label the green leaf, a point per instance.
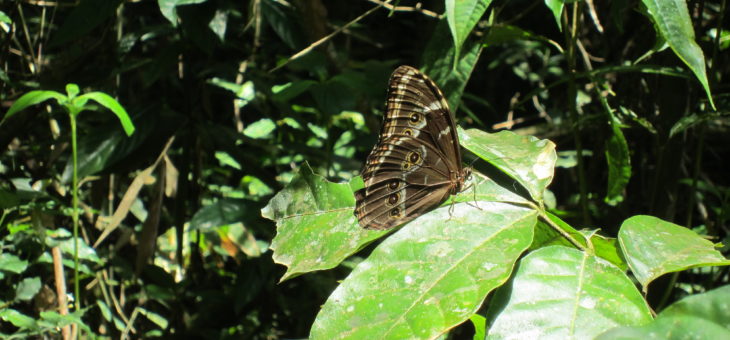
(672, 21)
(315, 225)
(654, 247)
(526, 159)
(503, 34)
(52, 319)
(32, 98)
(288, 91)
(603, 247)
(430, 276)
(619, 164)
(701, 316)
(438, 63)
(167, 7)
(480, 326)
(157, 319)
(113, 105)
(260, 129)
(17, 319)
(4, 18)
(64, 240)
(72, 90)
(244, 92)
(556, 7)
(562, 293)
(218, 24)
(224, 212)
(692, 120)
(27, 288)
(462, 16)
(12, 263)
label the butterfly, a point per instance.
(416, 164)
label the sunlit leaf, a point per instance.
(562, 293)
(654, 247)
(430, 275)
(27, 288)
(12, 263)
(260, 129)
(526, 159)
(701, 316)
(316, 226)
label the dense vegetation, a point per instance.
(204, 154)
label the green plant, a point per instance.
(73, 104)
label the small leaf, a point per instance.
(17, 319)
(430, 276)
(654, 247)
(63, 239)
(260, 129)
(72, 90)
(12, 263)
(556, 6)
(167, 7)
(619, 164)
(223, 212)
(480, 326)
(561, 293)
(701, 316)
(27, 288)
(113, 105)
(528, 160)
(32, 98)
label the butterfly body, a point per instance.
(416, 164)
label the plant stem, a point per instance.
(75, 211)
(571, 32)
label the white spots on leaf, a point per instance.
(488, 266)
(350, 308)
(408, 279)
(588, 303)
(439, 249)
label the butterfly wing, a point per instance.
(416, 164)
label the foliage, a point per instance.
(597, 207)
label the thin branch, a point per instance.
(328, 37)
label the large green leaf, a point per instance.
(701, 316)
(462, 16)
(654, 247)
(315, 225)
(528, 160)
(672, 21)
(429, 276)
(562, 293)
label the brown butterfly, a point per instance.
(416, 164)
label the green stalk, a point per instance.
(74, 210)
